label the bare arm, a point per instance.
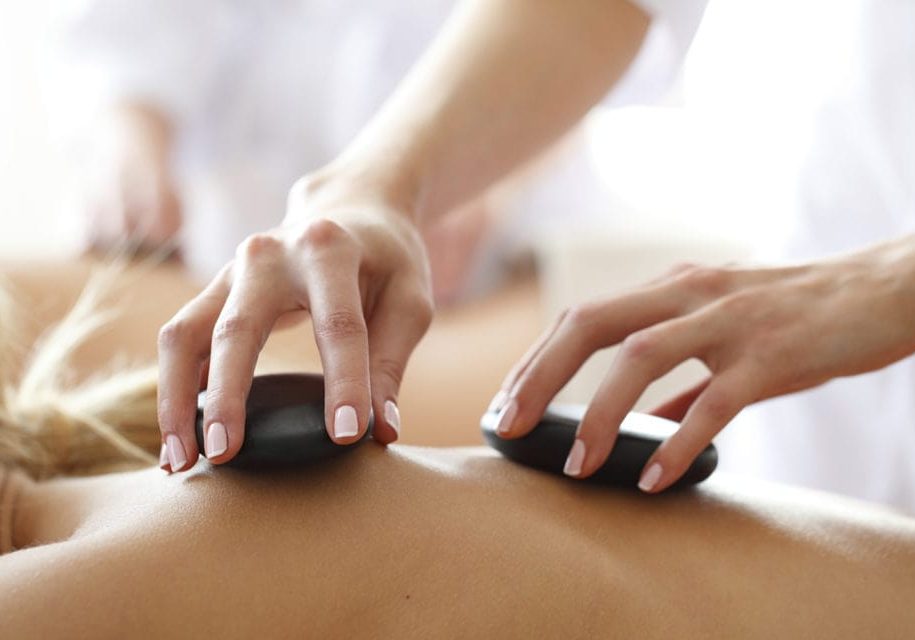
(503, 81)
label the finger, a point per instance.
(239, 334)
(642, 358)
(554, 363)
(184, 343)
(675, 408)
(332, 282)
(722, 400)
(674, 271)
(399, 322)
(582, 331)
(522, 365)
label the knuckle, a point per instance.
(680, 268)
(390, 371)
(580, 315)
(422, 310)
(532, 395)
(225, 404)
(321, 234)
(300, 189)
(582, 323)
(304, 189)
(580, 327)
(738, 305)
(706, 281)
(340, 325)
(177, 333)
(642, 345)
(218, 395)
(347, 385)
(171, 413)
(718, 406)
(259, 246)
(235, 326)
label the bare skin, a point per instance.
(418, 543)
(504, 81)
(460, 351)
(762, 332)
(406, 542)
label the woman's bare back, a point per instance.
(409, 542)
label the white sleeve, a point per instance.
(658, 63)
(164, 52)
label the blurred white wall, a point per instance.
(31, 169)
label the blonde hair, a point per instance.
(50, 427)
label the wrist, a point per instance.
(346, 181)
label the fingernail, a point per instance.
(506, 417)
(216, 441)
(497, 401)
(575, 459)
(163, 458)
(176, 456)
(651, 476)
(392, 415)
(345, 422)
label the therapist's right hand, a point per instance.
(356, 264)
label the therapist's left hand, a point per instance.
(345, 254)
(761, 332)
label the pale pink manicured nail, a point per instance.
(575, 459)
(163, 457)
(651, 476)
(217, 441)
(345, 422)
(497, 401)
(176, 456)
(392, 415)
(506, 417)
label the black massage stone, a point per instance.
(284, 425)
(547, 446)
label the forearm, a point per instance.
(504, 80)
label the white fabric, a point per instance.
(657, 67)
(846, 102)
(266, 91)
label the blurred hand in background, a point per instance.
(129, 192)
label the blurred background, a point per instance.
(32, 172)
(653, 160)
(644, 185)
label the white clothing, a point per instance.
(264, 92)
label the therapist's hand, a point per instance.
(760, 332)
(357, 265)
(129, 194)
